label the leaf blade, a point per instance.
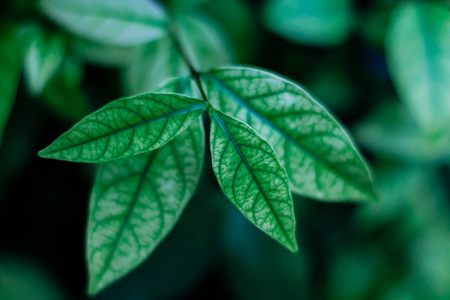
(44, 55)
(416, 52)
(318, 154)
(151, 212)
(126, 127)
(112, 22)
(274, 213)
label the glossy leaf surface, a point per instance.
(126, 127)
(113, 22)
(252, 177)
(312, 22)
(418, 53)
(319, 156)
(136, 202)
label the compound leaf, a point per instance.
(43, 57)
(319, 156)
(126, 127)
(252, 177)
(112, 22)
(10, 66)
(137, 201)
(418, 52)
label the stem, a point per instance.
(175, 37)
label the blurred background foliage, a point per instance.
(382, 66)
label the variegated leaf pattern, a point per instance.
(126, 127)
(137, 201)
(318, 154)
(252, 177)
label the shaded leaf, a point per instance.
(251, 176)
(204, 41)
(312, 22)
(43, 57)
(63, 94)
(100, 54)
(318, 154)
(159, 61)
(10, 66)
(113, 22)
(405, 141)
(153, 64)
(126, 127)
(137, 201)
(23, 279)
(418, 52)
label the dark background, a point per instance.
(395, 249)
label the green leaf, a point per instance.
(137, 201)
(312, 22)
(10, 66)
(252, 177)
(112, 22)
(318, 154)
(405, 141)
(153, 64)
(43, 57)
(204, 41)
(126, 127)
(159, 61)
(418, 51)
(63, 94)
(100, 54)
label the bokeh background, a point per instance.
(368, 61)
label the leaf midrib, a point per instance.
(227, 132)
(175, 113)
(128, 214)
(222, 86)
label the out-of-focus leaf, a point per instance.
(113, 22)
(204, 41)
(63, 94)
(103, 55)
(311, 22)
(391, 132)
(126, 127)
(159, 61)
(418, 53)
(137, 201)
(373, 27)
(153, 64)
(318, 154)
(184, 5)
(43, 57)
(252, 177)
(364, 265)
(10, 66)
(21, 279)
(239, 22)
(402, 193)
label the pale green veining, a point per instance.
(137, 201)
(252, 177)
(126, 127)
(319, 156)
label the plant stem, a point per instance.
(174, 36)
